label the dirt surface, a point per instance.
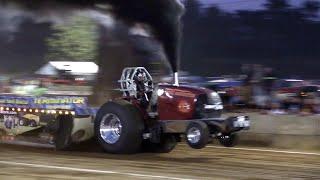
(18, 162)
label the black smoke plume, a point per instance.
(162, 15)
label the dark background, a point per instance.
(281, 34)
(284, 35)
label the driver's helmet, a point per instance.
(141, 75)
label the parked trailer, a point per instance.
(152, 117)
(56, 121)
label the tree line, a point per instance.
(280, 36)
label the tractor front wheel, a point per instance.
(197, 134)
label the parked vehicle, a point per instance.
(310, 98)
(229, 90)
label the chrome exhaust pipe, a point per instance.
(176, 79)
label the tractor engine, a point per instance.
(187, 102)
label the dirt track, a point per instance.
(18, 162)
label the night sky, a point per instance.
(233, 5)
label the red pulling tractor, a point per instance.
(155, 117)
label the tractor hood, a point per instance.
(187, 102)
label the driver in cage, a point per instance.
(142, 86)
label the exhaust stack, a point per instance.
(176, 79)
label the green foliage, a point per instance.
(75, 40)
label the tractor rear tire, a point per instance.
(119, 127)
(62, 137)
